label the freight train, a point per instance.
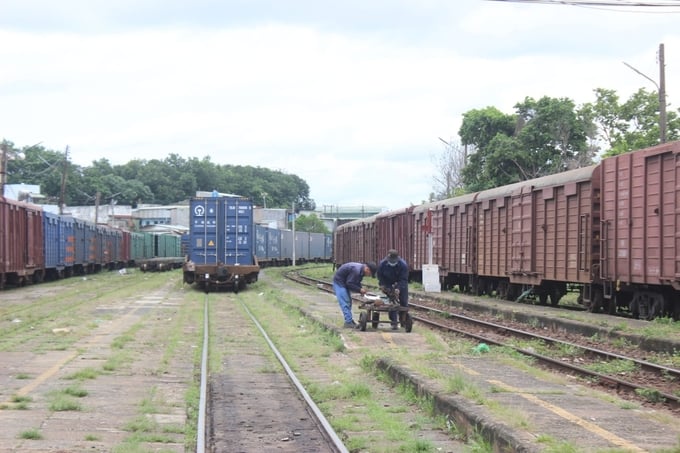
(610, 230)
(226, 249)
(36, 245)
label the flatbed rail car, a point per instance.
(221, 244)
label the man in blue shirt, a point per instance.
(347, 279)
(393, 274)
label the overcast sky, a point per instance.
(351, 95)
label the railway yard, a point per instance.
(112, 362)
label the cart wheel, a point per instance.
(363, 317)
(408, 323)
(375, 318)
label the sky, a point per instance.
(353, 96)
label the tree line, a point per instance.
(546, 136)
(167, 181)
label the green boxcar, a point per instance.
(136, 246)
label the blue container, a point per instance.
(80, 243)
(222, 231)
(328, 240)
(274, 244)
(316, 246)
(261, 242)
(287, 244)
(55, 243)
(301, 245)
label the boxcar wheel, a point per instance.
(375, 318)
(363, 318)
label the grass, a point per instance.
(31, 434)
(84, 374)
(60, 402)
(20, 402)
(353, 387)
(616, 366)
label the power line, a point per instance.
(614, 3)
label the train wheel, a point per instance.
(555, 297)
(363, 319)
(408, 323)
(375, 318)
(596, 301)
(241, 285)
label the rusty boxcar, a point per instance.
(610, 230)
(639, 265)
(394, 230)
(22, 258)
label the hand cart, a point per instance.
(374, 304)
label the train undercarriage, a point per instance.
(220, 277)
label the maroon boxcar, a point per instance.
(445, 234)
(494, 243)
(394, 230)
(355, 241)
(555, 224)
(22, 257)
(640, 246)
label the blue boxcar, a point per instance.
(58, 245)
(268, 247)
(317, 247)
(301, 246)
(221, 243)
(328, 246)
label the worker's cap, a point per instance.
(392, 256)
(371, 265)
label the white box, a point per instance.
(431, 278)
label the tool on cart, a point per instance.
(374, 304)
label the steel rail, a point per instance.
(671, 401)
(331, 435)
(200, 434)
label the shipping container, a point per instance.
(221, 243)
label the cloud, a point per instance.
(350, 96)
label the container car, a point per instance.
(221, 244)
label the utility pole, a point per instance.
(294, 242)
(62, 192)
(661, 88)
(3, 168)
(97, 198)
(662, 94)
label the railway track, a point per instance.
(258, 411)
(135, 359)
(617, 369)
(642, 379)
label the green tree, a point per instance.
(310, 223)
(166, 181)
(543, 137)
(633, 124)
